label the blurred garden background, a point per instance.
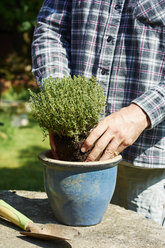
(20, 136)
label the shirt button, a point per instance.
(118, 7)
(109, 38)
(104, 71)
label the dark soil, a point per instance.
(69, 150)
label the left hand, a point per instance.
(116, 132)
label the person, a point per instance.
(122, 44)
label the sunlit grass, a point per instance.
(19, 148)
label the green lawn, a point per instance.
(19, 148)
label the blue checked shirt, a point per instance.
(122, 43)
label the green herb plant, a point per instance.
(68, 106)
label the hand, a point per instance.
(116, 132)
(52, 145)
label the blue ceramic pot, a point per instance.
(79, 192)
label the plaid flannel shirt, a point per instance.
(122, 43)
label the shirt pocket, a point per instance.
(150, 12)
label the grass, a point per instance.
(20, 168)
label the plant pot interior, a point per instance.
(70, 150)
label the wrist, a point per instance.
(142, 115)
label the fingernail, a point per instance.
(83, 149)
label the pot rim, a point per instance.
(43, 156)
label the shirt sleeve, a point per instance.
(153, 104)
(51, 40)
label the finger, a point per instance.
(52, 145)
(120, 149)
(116, 153)
(99, 147)
(112, 150)
(93, 136)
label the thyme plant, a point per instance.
(68, 106)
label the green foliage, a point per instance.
(7, 131)
(68, 106)
(19, 15)
(13, 95)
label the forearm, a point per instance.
(51, 41)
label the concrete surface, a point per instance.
(120, 228)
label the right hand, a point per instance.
(115, 133)
(52, 145)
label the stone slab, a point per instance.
(120, 228)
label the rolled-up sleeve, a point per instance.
(153, 103)
(51, 40)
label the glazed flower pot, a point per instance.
(79, 192)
